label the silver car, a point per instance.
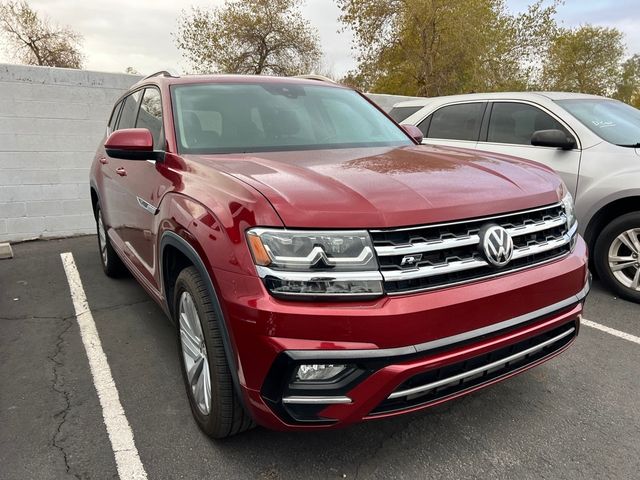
(592, 142)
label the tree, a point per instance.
(439, 47)
(585, 59)
(35, 40)
(628, 88)
(249, 37)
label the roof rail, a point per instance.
(163, 73)
(320, 78)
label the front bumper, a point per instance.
(407, 352)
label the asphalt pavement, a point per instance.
(574, 417)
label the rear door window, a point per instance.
(457, 122)
(513, 122)
(150, 116)
(130, 111)
(402, 113)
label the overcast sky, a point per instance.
(137, 33)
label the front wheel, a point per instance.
(617, 256)
(111, 263)
(207, 377)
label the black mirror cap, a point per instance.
(553, 138)
(156, 155)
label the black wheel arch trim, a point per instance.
(176, 241)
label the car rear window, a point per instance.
(240, 117)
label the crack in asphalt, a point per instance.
(56, 386)
(70, 317)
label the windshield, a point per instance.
(240, 117)
(611, 120)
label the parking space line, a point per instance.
(611, 331)
(120, 434)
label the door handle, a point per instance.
(121, 171)
(103, 161)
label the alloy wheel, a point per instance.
(194, 352)
(624, 258)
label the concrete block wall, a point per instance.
(51, 120)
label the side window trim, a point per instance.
(162, 135)
(114, 118)
(124, 99)
(427, 124)
(430, 117)
(484, 126)
(543, 110)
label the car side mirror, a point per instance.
(131, 144)
(552, 138)
(413, 131)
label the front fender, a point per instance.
(590, 203)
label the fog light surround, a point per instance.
(322, 372)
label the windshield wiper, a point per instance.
(631, 145)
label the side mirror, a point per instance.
(413, 131)
(552, 138)
(131, 144)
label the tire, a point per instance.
(109, 259)
(203, 360)
(620, 239)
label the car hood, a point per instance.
(389, 187)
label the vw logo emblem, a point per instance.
(496, 244)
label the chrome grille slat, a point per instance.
(461, 265)
(448, 254)
(424, 247)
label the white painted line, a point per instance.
(120, 434)
(611, 331)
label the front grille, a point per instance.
(434, 385)
(449, 253)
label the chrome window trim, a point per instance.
(481, 369)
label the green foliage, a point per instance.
(35, 40)
(249, 37)
(628, 88)
(439, 47)
(443, 47)
(585, 59)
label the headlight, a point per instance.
(316, 263)
(572, 222)
(569, 210)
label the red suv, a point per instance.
(322, 267)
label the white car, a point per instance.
(592, 142)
